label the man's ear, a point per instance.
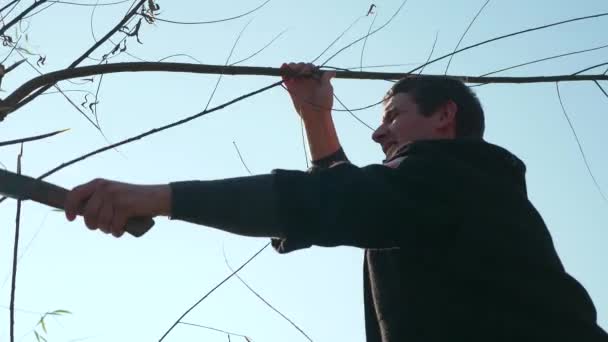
(446, 117)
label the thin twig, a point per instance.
(465, 33)
(430, 53)
(219, 79)
(37, 137)
(353, 114)
(260, 50)
(21, 15)
(89, 51)
(545, 59)
(602, 89)
(211, 291)
(511, 35)
(365, 41)
(209, 21)
(304, 142)
(153, 131)
(578, 142)
(262, 298)
(214, 329)
(15, 255)
(241, 157)
(369, 34)
(337, 38)
(7, 5)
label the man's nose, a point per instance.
(379, 134)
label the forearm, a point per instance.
(322, 137)
(245, 206)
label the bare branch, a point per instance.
(545, 59)
(602, 89)
(353, 114)
(430, 53)
(465, 33)
(8, 5)
(208, 21)
(511, 35)
(42, 81)
(21, 15)
(116, 28)
(365, 40)
(262, 298)
(578, 142)
(241, 157)
(37, 137)
(369, 34)
(214, 329)
(212, 290)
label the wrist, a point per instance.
(162, 199)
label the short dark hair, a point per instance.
(431, 92)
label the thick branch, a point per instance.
(21, 93)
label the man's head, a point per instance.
(426, 109)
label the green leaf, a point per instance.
(42, 324)
(60, 312)
(37, 336)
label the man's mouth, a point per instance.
(388, 149)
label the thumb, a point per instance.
(327, 76)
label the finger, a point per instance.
(119, 221)
(76, 198)
(91, 210)
(104, 221)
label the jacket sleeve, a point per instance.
(368, 207)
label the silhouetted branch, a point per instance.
(37, 137)
(42, 81)
(465, 33)
(21, 15)
(207, 21)
(211, 291)
(578, 142)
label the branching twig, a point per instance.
(208, 21)
(211, 291)
(37, 137)
(369, 34)
(511, 35)
(465, 33)
(21, 15)
(602, 89)
(430, 53)
(353, 114)
(89, 51)
(262, 298)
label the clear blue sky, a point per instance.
(133, 289)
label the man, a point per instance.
(454, 251)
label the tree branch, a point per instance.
(21, 15)
(17, 97)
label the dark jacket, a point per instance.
(454, 249)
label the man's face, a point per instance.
(402, 122)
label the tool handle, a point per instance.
(138, 226)
(54, 196)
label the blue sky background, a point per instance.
(133, 289)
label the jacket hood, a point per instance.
(490, 158)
